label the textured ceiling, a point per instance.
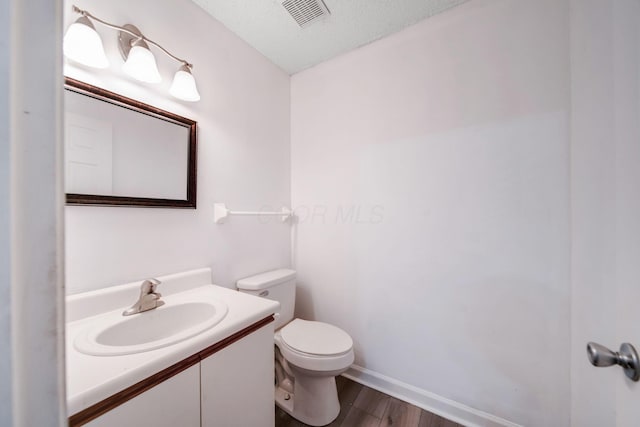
(267, 26)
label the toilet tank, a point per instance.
(277, 285)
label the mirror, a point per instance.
(121, 152)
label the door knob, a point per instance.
(626, 357)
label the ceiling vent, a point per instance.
(305, 12)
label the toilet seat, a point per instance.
(316, 338)
(328, 347)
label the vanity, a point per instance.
(203, 358)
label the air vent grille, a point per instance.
(305, 12)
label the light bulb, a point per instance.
(141, 64)
(83, 44)
(184, 85)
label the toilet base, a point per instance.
(315, 401)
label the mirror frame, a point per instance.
(131, 104)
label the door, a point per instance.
(605, 197)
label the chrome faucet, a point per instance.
(148, 300)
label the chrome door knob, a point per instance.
(626, 357)
(601, 356)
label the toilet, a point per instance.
(308, 354)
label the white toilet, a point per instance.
(308, 354)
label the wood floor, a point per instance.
(361, 406)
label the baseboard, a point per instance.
(426, 400)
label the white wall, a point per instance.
(243, 156)
(452, 140)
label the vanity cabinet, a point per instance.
(237, 383)
(174, 402)
(228, 384)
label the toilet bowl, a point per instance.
(308, 354)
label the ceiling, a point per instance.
(266, 25)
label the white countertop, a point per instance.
(91, 379)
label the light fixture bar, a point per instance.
(135, 35)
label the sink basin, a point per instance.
(114, 334)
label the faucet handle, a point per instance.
(148, 299)
(149, 285)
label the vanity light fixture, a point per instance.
(139, 61)
(184, 85)
(83, 44)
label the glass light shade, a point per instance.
(141, 64)
(83, 44)
(184, 85)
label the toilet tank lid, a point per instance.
(265, 280)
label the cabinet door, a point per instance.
(237, 383)
(174, 402)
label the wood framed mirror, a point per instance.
(122, 152)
